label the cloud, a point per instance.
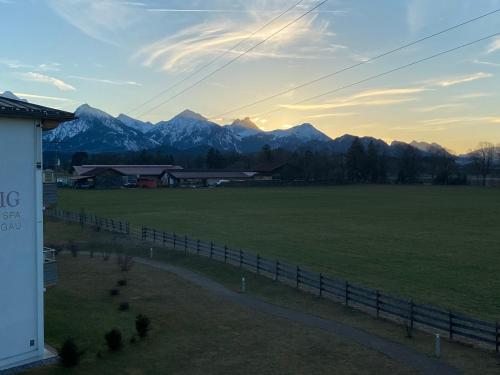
(439, 107)
(103, 20)
(195, 44)
(388, 96)
(463, 79)
(332, 105)
(494, 46)
(16, 64)
(487, 63)
(472, 95)
(42, 78)
(34, 96)
(333, 114)
(461, 119)
(107, 81)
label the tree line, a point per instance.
(361, 163)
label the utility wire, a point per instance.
(218, 57)
(235, 58)
(384, 73)
(358, 64)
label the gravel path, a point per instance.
(391, 349)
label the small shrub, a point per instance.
(114, 340)
(114, 292)
(142, 325)
(122, 282)
(125, 262)
(124, 306)
(69, 353)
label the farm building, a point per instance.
(275, 171)
(21, 230)
(196, 178)
(115, 176)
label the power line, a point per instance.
(235, 58)
(357, 64)
(384, 73)
(218, 57)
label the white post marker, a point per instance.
(243, 284)
(437, 345)
(151, 253)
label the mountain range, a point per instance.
(96, 131)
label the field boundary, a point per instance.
(456, 326)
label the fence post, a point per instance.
(143, 233)
(297, 277)
(185, 244)
(378, 303)
(241, 258)
(127, 227)
(225, 253)
(450, 318)
(320, 284)
(113, 225)
(154, 235)
(211, 249)
(497, 337)
(175, 240)
(258, 263)
(276, 270)
(347, 293)
(198, 247)
(163, 238)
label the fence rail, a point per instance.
(458, 327)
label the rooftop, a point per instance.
(127, 170)
(21, 109)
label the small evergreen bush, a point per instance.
(142, 325)
(69, 354)
(114, 340)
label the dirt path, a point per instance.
(391, 349)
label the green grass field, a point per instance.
(438, 245)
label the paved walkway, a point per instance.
(391, 349)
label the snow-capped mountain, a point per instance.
(132, 123)
(96, 131)
(11, 95)
(244, 128)
(191, 130)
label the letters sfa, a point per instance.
(9, 199)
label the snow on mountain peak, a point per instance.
(11, 95)
(188, 114)
(306, 132)
(246, 123)
(135, 124)
(86, 110)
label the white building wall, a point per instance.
(21, 243)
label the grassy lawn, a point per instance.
(438, 245)
(193, 332)
(468, 360)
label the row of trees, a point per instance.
(359, 164)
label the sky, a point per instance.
(118, 55)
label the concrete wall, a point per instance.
(21, 256)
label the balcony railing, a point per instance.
(50, 273)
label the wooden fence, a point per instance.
(456, 326)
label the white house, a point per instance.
(21, 229)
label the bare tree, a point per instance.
(483, 158)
